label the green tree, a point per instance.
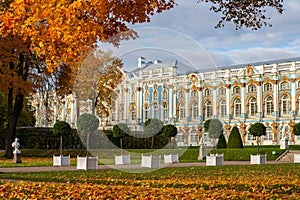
(153, 127)
(257, 129)
(87, 124)
(235, 139)
(169, 131)
(296, 129)
(221, 142)
(120, 131)
(214, 128)
(61, 128)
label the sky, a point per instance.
(186, 33)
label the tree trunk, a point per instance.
(14, 110)
(60, 146)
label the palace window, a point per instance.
(251, 88)
(207, 92)
(165, 111)
(298, 85)
(268, 87)
(252, 106)
(180, 136)
(284, 86)
(285, 104)
(195, 110)
(147, 96)
(268, 105)
(133, 113)
(181, 111)
(165, 95)
(122, 98)
(269, 134)
(194, 136)
(251, 137)
(222, 91)
(236, 90)
(155, 112)
(208, 109)
(155, 96)
(194, 94)
(222, 107)
(237, 108)
(181, 95)
(133, 97)
(146, 112)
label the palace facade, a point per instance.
(239, 95)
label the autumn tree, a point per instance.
(46, 38)
(249, 14)
(96, 80)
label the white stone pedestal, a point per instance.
(284, 143)
(171, 158)
(122, 160)
(151, 161)
(214, 160)
(17, 158)
(61, 160)
(87, 163)
(258, 159)
(296, 158)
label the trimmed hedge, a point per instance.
(235, 140)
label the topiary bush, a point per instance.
(221, 142)
(235, 140)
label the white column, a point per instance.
(170, 103)
(243, 98)
(214, 99)
(228, 108)
(293, 93)
(126, 102)
(259, 98)
(187, 102)
(200, 103)
(174, 102)
(275, 95)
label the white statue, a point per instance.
(16, 145)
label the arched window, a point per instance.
(155, 111)
(133, 97)
(252, 106)
(269, 134)
(298, 85)
(195, 110)
(165, 95)
(181, 111)
(251, 88)
(285, 104)
(147, 96)
(146, 112)
(207, 92)
(165, 111)
(268, 106)
(180, 136)
(268, 87)
(133, 113)
(194, 136)
(222, 91)
(208, 109)
(155, 96)
(237, 108)
(222, 108)
(236, 90)
(181, 95)
(194, 94)
(284, 86)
